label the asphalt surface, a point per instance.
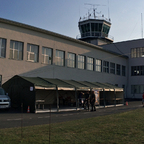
(13, 119)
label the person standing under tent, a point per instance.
(92, 100)
(87, 97)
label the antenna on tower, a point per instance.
(94, 9)
(108, 11)
(141, 25)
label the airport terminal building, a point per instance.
(34, 52)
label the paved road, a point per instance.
(8, 119)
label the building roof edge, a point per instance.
(11, 22)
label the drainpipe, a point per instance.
(57, 99)
(76, 98)
(123, 98)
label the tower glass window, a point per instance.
(16, 50)
(106, 66)
(46, 55)
(96, 27)
(2, 47)
(90, 63)
(32, 52)
(81, 62)
(60, 58)
(71, 60)
(98, 65)
(106, 29)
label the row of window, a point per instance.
(113, 68)
(137, 52)
(83, 62)
(137, 70)
(137, 89)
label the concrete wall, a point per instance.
(125, 48)
(10, 67)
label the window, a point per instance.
(2, 47)
(112, 68)
(16, 50)
(98, 65)
(32, 52)
(118, 69)
(90, 65)
(81, 62)
(71, 60)
(46, 55)
(85, 28)
(137, 89)
(141, 52)
(106, 66)
(137, 52)
(123, 71)
(106, 29)
(137, 70)
(60, 58)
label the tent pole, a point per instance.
(115, 96)
(57, 99)
(123, 96)
(104, 97)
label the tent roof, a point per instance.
(92, 85)
(49, 83)
(78, 85)
(61, 84)
(40, 83)
(113, 86)
(102, 85)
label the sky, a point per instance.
(62, 16)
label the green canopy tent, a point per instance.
(31, 91)
(22, 91)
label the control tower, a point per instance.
(95, 29)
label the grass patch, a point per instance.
(123, 128)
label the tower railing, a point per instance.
(96, 18)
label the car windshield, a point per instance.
(2, 92)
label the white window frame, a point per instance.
(81, 62)
(18, 50)
(45, 55)
(60, 58)
(71, 60)
(98, 65)
(90, 63)
(29, 53)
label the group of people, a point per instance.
(89, 100)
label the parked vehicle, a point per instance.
(5, 102)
